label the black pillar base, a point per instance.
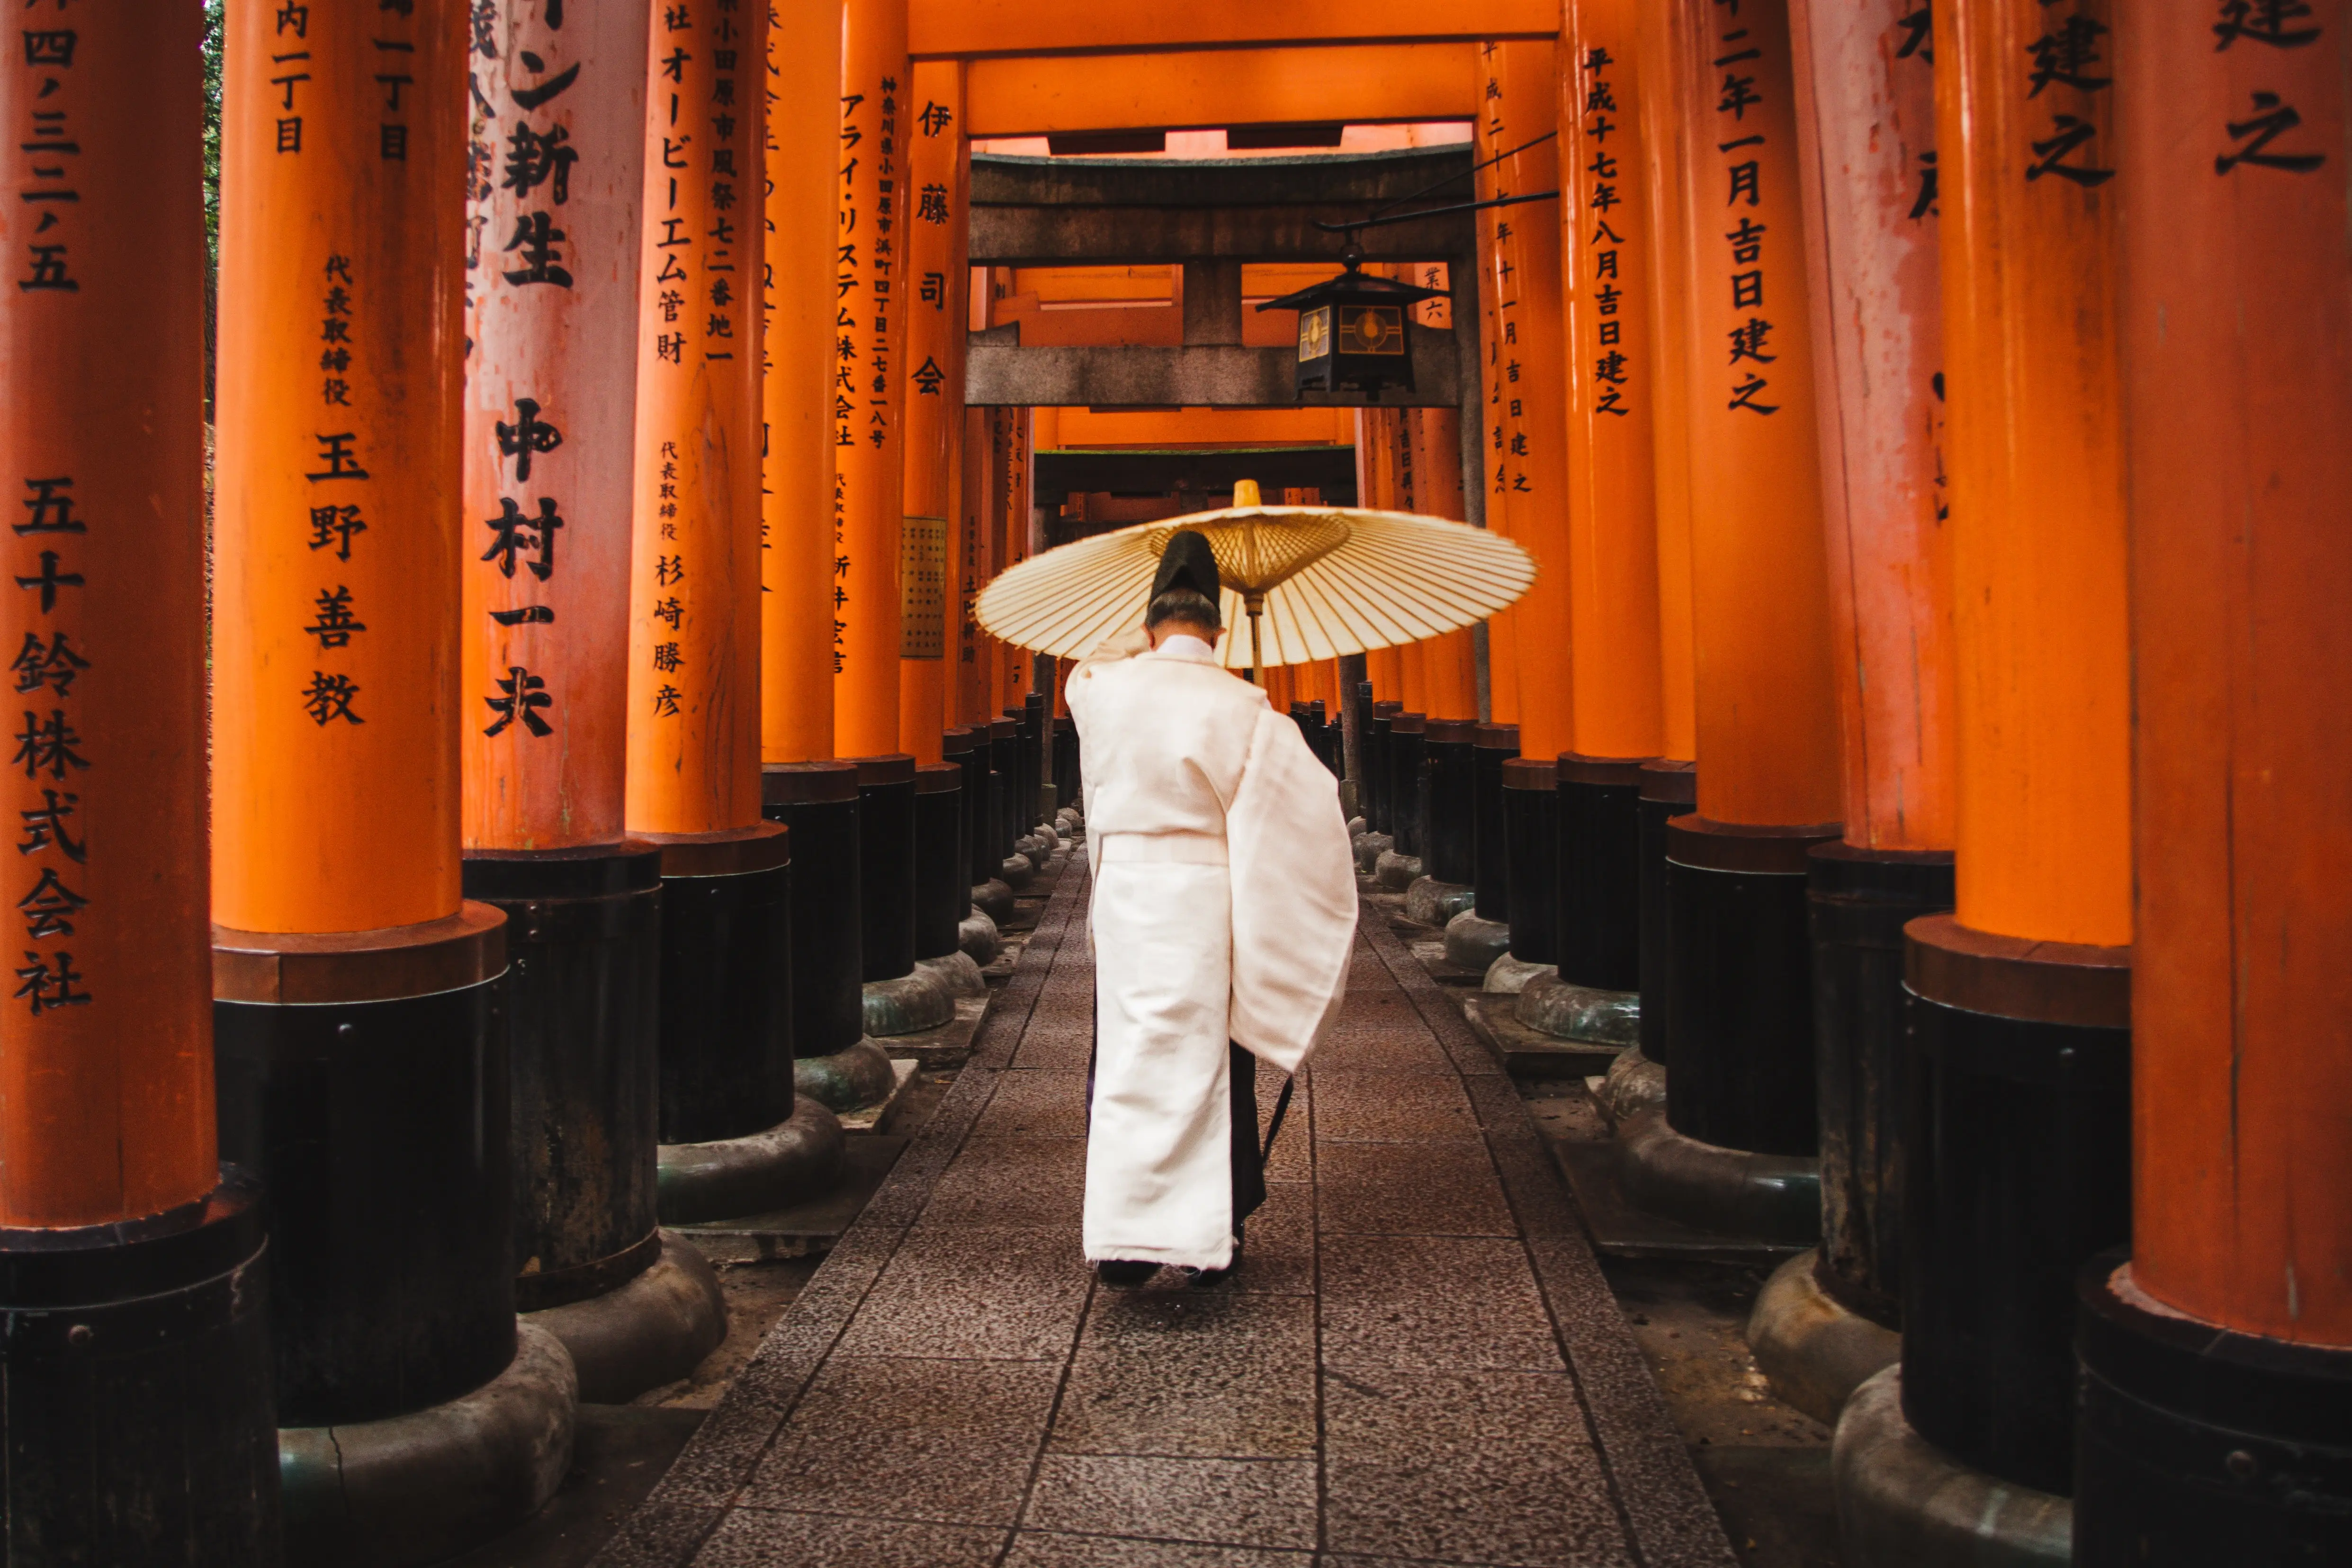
(1532, 837)
(1739, 1071)
(726, 983)
(1492, 744)
(2017, 1155)
(380, 1128)
(1065, 760)
(1003, 796)
(942, 890)
(817, 802)
(2199, 1445)
(1669, 789)
(1599, 872)
(1380, 808)
(1408, 800)
(966, 745)
(1860, 900)
(139, 1426)
(885, 864)
(1450, 850)
(583, 939)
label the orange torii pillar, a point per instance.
(1383, 667)
(548, 488)
(874, 288)
(1476, 940)
(361, 1054)
(733, 1140)
(138, 1354)
(1530, 472)
(1401, 869)
(967, 687)
(800, 642)
(937, 234)
(1735, 1151)
(2016, 1167)
(2215, 1359)
(1866, 117)
(879, 216)
(1449, 847)
(815, 798)
(967, 739)
(1502, 638)
(1669, 784)
(1619, 721)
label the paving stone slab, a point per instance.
(1417, 1360)
(1232, 1502)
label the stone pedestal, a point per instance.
(1905, 1503)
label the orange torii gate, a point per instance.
(551, 481)
(138, 1354)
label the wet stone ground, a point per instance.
(1420, 1359)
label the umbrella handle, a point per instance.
(1253, 603)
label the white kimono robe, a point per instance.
(1224, 909)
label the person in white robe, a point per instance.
(1223, 917)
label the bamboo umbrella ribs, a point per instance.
(1315, 583)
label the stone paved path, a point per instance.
(1418, 1360)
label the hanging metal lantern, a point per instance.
(1355, 332)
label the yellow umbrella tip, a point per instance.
(1245, 493)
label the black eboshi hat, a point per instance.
(1187, 562)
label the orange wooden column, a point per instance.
(106, 1053)
(1502, 639)
(695, 612)
(1613, 393)
(799, 644)
(876, 289)
(1662, 120)
(559, 113)
(1613, 674)
(1867, 87)
(2035, 958)
(549, 480)
(2237, 347)
(1449, 668)
(335, 642)
(342, 941)
(1011, 529)
(1767, 710)
(1376, 491)
(968, 683)
(2038, 550)
(153, 1391)
(1866, 107)
(936, 225)
(1519, 105)
(1740, 1055)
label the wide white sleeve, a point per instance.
(1294, 892)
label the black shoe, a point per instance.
(1210, 1279)
(1123, 1274)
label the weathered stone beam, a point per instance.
(1065, 236)
(1210, 471)
(1364, 178)
(1197, 377)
